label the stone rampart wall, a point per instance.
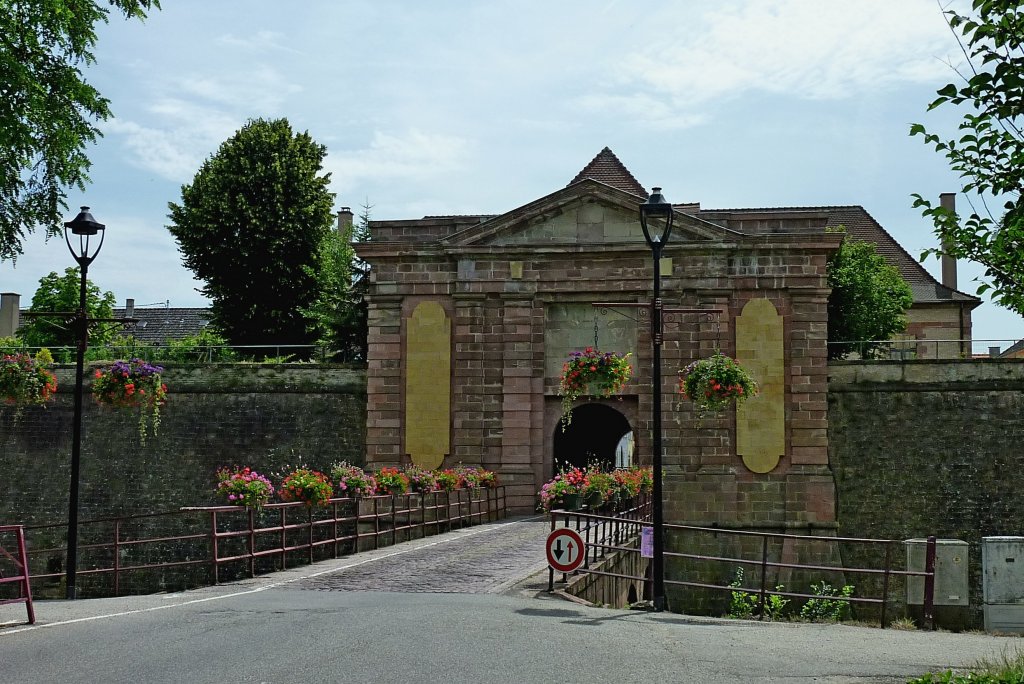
(265, 416)
(928, 447)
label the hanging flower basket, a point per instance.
(130, 384)
(591, 372)
(712, 384)
(25, 380)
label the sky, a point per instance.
(455, 107)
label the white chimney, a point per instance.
(129, 308)
(948, 201)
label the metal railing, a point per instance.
(603, 534)
(276, 537)
(19, 575)
(910, 348)
(886, 572)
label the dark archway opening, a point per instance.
(591, 437)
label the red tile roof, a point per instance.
(606, 168)
(861, 225)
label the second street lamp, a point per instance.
(85, 228)
(656, 221)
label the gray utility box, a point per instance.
(1002, 567)
(950, 601)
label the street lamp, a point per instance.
(656, 213)
(85, 227)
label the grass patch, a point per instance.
(1007, 669)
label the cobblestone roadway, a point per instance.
(478, 560)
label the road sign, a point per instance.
(565, 549)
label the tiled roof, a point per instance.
(1013, 350)
(606, 168)
(862, 226)
(157, 325)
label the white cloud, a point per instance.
(159, 150)
(414, 155)
(258, 41)
(642, 107)
(257, 88)
(190, 116)
(798, 48)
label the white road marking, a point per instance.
(454, 536)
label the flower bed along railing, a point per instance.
(198, 546)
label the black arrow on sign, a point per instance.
(558, 549)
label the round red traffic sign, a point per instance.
(565, 549)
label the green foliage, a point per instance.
(47, 110)
(206, 345)
(868, 302)
(61, 293)
(12, 345)
(743, 604)
(338, 314)
(1006, 669)
(828, 609)
(988, 152)
(252, 226)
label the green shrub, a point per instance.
(828, 609)
(743, 604)
(206, 345)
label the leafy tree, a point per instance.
(989, 153)
(339, 314)
(868, 302)
(47, 110)
(251, 226)
(61, 293)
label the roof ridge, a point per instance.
(803, 208)
(606, 168)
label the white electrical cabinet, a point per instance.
(1002, 566)
(951, 609)
(950, 572)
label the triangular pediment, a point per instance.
(586, 212)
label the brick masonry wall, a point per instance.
(928, 447)
(266, 417)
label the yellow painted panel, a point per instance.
(428, 364)
(761, 421)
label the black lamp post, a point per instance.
(85, 227)
(655, 215)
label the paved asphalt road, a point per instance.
(405, 614)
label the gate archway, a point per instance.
(592, 436)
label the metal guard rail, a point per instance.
(603, 532)
(598, 541)
(20, 576)
(343, 525)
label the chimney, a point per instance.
(9, 313)
(129, 308)
(345, 221)
(948, 202)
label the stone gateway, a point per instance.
(471, 318)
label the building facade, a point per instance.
(472, 317)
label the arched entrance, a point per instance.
(593, 436)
